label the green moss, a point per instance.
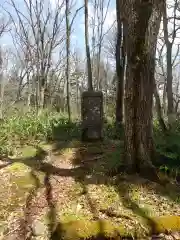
(135, 194)
(28, 151)
(108, 196)
(25, 182)
(72, 217)
(28, 181)
(67, 152)
(76, 190)
(18, 167)
(46, 146)
(75, 230)
(21, 181)
(166, 223)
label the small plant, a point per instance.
(164, 168)
(113, 159)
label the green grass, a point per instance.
(19, 129)
(27, 128)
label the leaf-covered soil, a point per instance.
(66, 191)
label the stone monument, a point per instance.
(92, 115)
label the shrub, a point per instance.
(168, 150)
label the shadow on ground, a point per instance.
(85, 172)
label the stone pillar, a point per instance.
(92, 115)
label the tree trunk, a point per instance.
(43, 82)
(29, 93)
(142, 31)
(42, 96)
(164, 100)
(159, 110)
(120, 67)
(88, 56)
(170, 108)
(67, 60)
(2, 83)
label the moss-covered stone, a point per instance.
(26, 151)
(76, 230)
(88, 229)
(166, 223)
(17, 168)
(19, 181)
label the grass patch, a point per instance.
(23, 128)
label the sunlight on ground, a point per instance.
(88, 199)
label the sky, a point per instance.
(77, 36)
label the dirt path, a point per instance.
(72, 186)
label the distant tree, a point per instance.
(88, 56)
(120, 64)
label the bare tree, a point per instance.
(41, 31)
(120, 65)
(67, 58)
(110, 43)
(68, 34)
(99, 31)
(158, 108)
(4, 24)
(90, 84)
(169, 62)
(4, 61)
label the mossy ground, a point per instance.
(72, 189)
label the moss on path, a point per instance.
(64, 191)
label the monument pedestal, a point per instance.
(92, 115)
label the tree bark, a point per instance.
(164, 99)
(159, 110)
(142, 31)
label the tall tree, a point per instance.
(40, 31)
(120, 66)
(143, 21)
(67, 59)
(159, 109)
(169, 63)
(88, 56)
(68, 36)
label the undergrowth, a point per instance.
(168, 149)
(29, 127)
(19, 128)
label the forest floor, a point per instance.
(65, 191)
